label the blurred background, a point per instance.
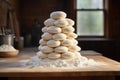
(97, 22)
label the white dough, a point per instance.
(68, 55)
(70, 21)
(61, 23)
(49, 22)
(54, 56)
(59, 36)
(72, 35)
(58, 15)
(75, 42)
(53, 43)
(68, 30)
(46, 49)
(39, 48)
(42, 42)
(77, 54)
(54, 29)
(61, 49)
(44, 29)
(46, 36)
(67, 42)
(74, 48)
(41, 55)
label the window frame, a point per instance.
(105, 34)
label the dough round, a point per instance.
(44, 29)
(70, 21)
(67, 42)
(39, 48)
(46, 36)
(61, 23)
(74, 48)
(77, 54)
(53, 43)
(59, 36)
(42, 42)
(49, 22)
(72, 35)
(61, 49)
(41, 55)
(67, 55)
(58, 15)
(54, 29)
(54, 56)
(46, 49)
(75, 42)
(68, 30)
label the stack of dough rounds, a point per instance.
(58, 38)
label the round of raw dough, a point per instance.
(67, 42)
(49, 22)
(70, 21)
(44, 29)
(54, 56)
(75, 42)
(61, 49)
(58, 15)
(46, 49)
(77, 54)
(39, 48)
(54, 29)
(61, 23)
(72, 35)
(67, 55)
(53, 43)
(42, 42)
(68, 30)
(74, 48)
(41, 55)
(59, 36)
(46, 36)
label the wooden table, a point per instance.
(12, 72)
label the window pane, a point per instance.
(89, 4)
(90, 23)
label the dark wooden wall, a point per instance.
(31, 9)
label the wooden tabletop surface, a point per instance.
(9, 67)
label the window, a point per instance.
(90, 18)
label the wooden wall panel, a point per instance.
(31, 9)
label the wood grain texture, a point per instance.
(8, 68)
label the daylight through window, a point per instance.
(90, 18)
